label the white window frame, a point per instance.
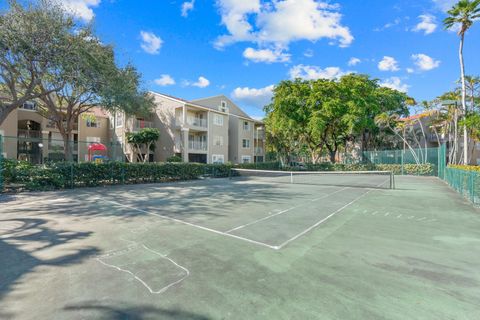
(120, 115)
(88, 123)
(223, 106)
(247, 144)
(218, 120)
(94, 140)
(218, 139)
(218, 158)
(246, 159)
(246, 126)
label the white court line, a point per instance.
(187, 272)
(282, 212)
(321, 221)
(192, 225)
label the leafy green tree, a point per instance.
(32, 40)
(88, 77)
(143, 142)
(463, 14)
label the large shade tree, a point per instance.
(325, 116)
(462, 16)
(32, 41)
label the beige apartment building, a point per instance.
(29, 136)
(212, 130)
(246, 136)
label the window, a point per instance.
(218, 158)
(246, 159)
(92, 123)
(119, 120)
(246, 143)
(223, 106)
(93, 139)
(246, 126)
(218, 119)
(29, 106)
(218, 141)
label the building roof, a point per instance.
(418, 116)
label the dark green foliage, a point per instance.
(65, 175)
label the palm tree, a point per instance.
(463, 14)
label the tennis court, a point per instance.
(262, 245)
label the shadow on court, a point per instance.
(139, 312)
(22, 241)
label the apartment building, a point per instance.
(31, 137)
(246, 136)
(211, 130)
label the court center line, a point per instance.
(192, 225)
(282, 212)
(322, 221)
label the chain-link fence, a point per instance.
(465, 182)
(406, 157)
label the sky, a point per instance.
(242, 48)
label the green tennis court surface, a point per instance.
(242, 249)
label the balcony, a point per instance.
(138, 125)
(193, 123)
(197, 146)
(51, 125)
(29, 134)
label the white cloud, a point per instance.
(395, 83)
(388, 64)
(186, 7)
(202, 82)
(427, 24)
(389, 25)
(151, 43)
(266, 55)
(253, 97)
(410, 70)
(165, 80)
(353, 61)
(80, 8)
(314, 72)
(424, 62)
(309, 53)
(281, 22)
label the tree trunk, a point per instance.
(464, 100)
(68, 147)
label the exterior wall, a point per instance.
(86, 133)
(8, 129)
(164, 120)
(217, 131)
(245, 135)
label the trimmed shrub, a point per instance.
(465, 167)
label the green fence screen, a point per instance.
(407, 156)
(466, 182)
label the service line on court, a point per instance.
(283, 211)
(191, 224)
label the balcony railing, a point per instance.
(197, 145)
(197, 122)
(30, 134)
(52, 125)
(138, 125)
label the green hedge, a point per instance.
(427, 169)
(465, 167)
(64, 175)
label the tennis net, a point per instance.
(354, 179)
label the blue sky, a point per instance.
(241, 48)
